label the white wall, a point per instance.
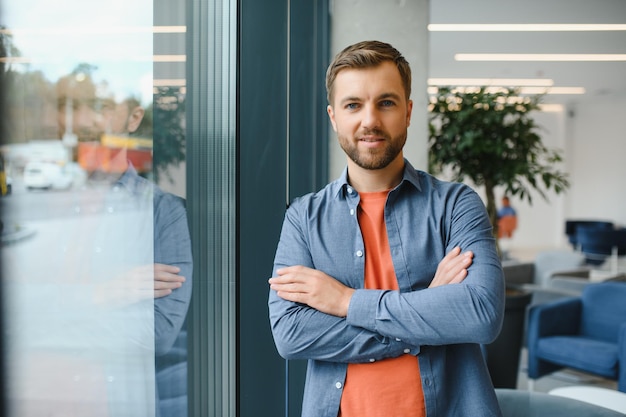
(403, 24)
(597, 160)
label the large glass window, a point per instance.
(96, 249)
(121, 122)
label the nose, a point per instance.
(84, 117)
(371, 117)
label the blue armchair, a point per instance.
(586, 333)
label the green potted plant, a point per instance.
(488, 136)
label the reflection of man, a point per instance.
(168, 280)
(172, 292)
(172, 269)
(120, 118)
(76, 108)
(356, 287)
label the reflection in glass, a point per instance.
(96, 258)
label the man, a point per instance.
(507, 219)
(170, 277)
(357, 288)
(168, 280)
(506, 209)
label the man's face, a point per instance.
(370, 114)
(114, 118)
(83, 120)
(89, 124)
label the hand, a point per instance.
(166, 279)
(313, 288)
(453, 268)
(140, 283)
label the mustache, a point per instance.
(374, 132)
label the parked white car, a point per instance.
(47, 175)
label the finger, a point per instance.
(164, 285)
(173, 269)
(459, 262)
(295, 297)
(161, 293)
(285, 270)
(169, 277)
(288, 288)
(463, 260)
(459, 277)
(453, 253)
(452, 268)
(286, 279)
(450, 257)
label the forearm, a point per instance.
(172, 246)
(170, 313)
(456, 313)
(301, 332)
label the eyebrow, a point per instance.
(380, 97)
(389, 95)
(349, 99)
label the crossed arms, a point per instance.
(322, 292)
(319, 313)
(311, 315)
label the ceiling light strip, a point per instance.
(505, 82)
(542, 57)
(169, 58)
(173, 82)
(109, 30)
(523, 90)
(525, 27)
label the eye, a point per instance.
(387, 103)
(352, 106)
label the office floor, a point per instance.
(558, 379)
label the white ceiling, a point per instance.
(600, 79)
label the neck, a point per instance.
(373, 180)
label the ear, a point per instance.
(409, 110)
(331, 116)
(135, 118)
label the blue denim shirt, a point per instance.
(172, 246)
(444, 326)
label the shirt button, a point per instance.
(351, 212)
(349, 190)
(407, 350)
(372, 360)
(398, 339)
(338, 385)
(359, 253)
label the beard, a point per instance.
(373, 158)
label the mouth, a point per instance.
(371, 141)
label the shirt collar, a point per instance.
(131, 181)
(410, 176)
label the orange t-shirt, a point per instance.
(389, 387)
